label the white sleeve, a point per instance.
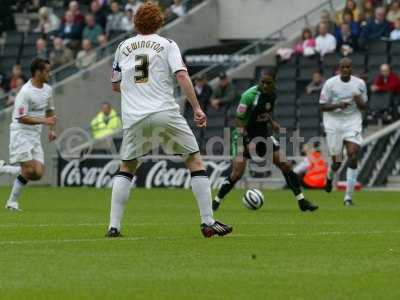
(50, 102)
(175, 61)
(364, 92)
(21, 105)
(116, 69)
(325, 94)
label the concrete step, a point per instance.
(394, 179)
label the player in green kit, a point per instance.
(254, 135)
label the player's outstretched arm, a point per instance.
(28, 120)
(52, 128)
(116, 87)
(331, 107)
(187, 88)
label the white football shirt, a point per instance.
(34, 102)
(145, 65)
(335, 90)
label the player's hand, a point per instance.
(358, 99)
(215, 104)
(200, 118)
(52, 135)
(275, 126)
(50, 121)
(343, 105)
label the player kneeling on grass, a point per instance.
(143, 73)
(33, 108)
(254, 123)
(343, 98)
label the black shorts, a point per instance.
(251, 146)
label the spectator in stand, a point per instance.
(114, 20)
(92, 30)
(306, 46)
(70, 32)
(350, 7)
(133, 5)
(224, 94)
(127, 21)
(99, 13)
(203, 91)
(41, 49)
(386, 81)
(367, 11)
(177, 8)
(394, 12)
(87, 56)
(316, 84)
(14, 91)
(48, 21)
(395, 34)
(376, 28)
(60, 55)
(78, 17)
(104, 50)
(106, 122)
(346, 42)
(354, 26)
(326, 19)
(325, 42)
(16, 73)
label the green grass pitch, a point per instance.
(55, 248)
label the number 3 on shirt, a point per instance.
(142, 69)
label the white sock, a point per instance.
(19, 183)
(13, 170)
(351, 180)
(202, 192)
(120, 194)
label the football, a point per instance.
(253, 199)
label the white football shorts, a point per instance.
(167, 129)
(338, 131)
(25, 145)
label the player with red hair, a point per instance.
(143, 72)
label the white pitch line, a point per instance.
(170, 238)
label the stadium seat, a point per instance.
(358, 59)
(378, 46)
(331, 60)
(309, 111)
(308, 133)
(311, 62)
(285, 111)
(287, 72)
(306, 73)
(287, 122)
(377, 59)
(285, 99)
(379, 101)
(312, 99)
(309, 122)
(395, 48)
(286, 85)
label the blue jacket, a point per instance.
(374, 30)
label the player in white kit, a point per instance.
(143, 72)
(342, 100)
(33, 108)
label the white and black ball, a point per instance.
(253, 199)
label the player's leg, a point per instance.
(31, 170)
(335, 146)
(202, 192)
(134, 145)
(8, 169)
(238, 168)
(180, 140)
(352, 172)
(293, 182)
(122, 184)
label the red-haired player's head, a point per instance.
(148, 19)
